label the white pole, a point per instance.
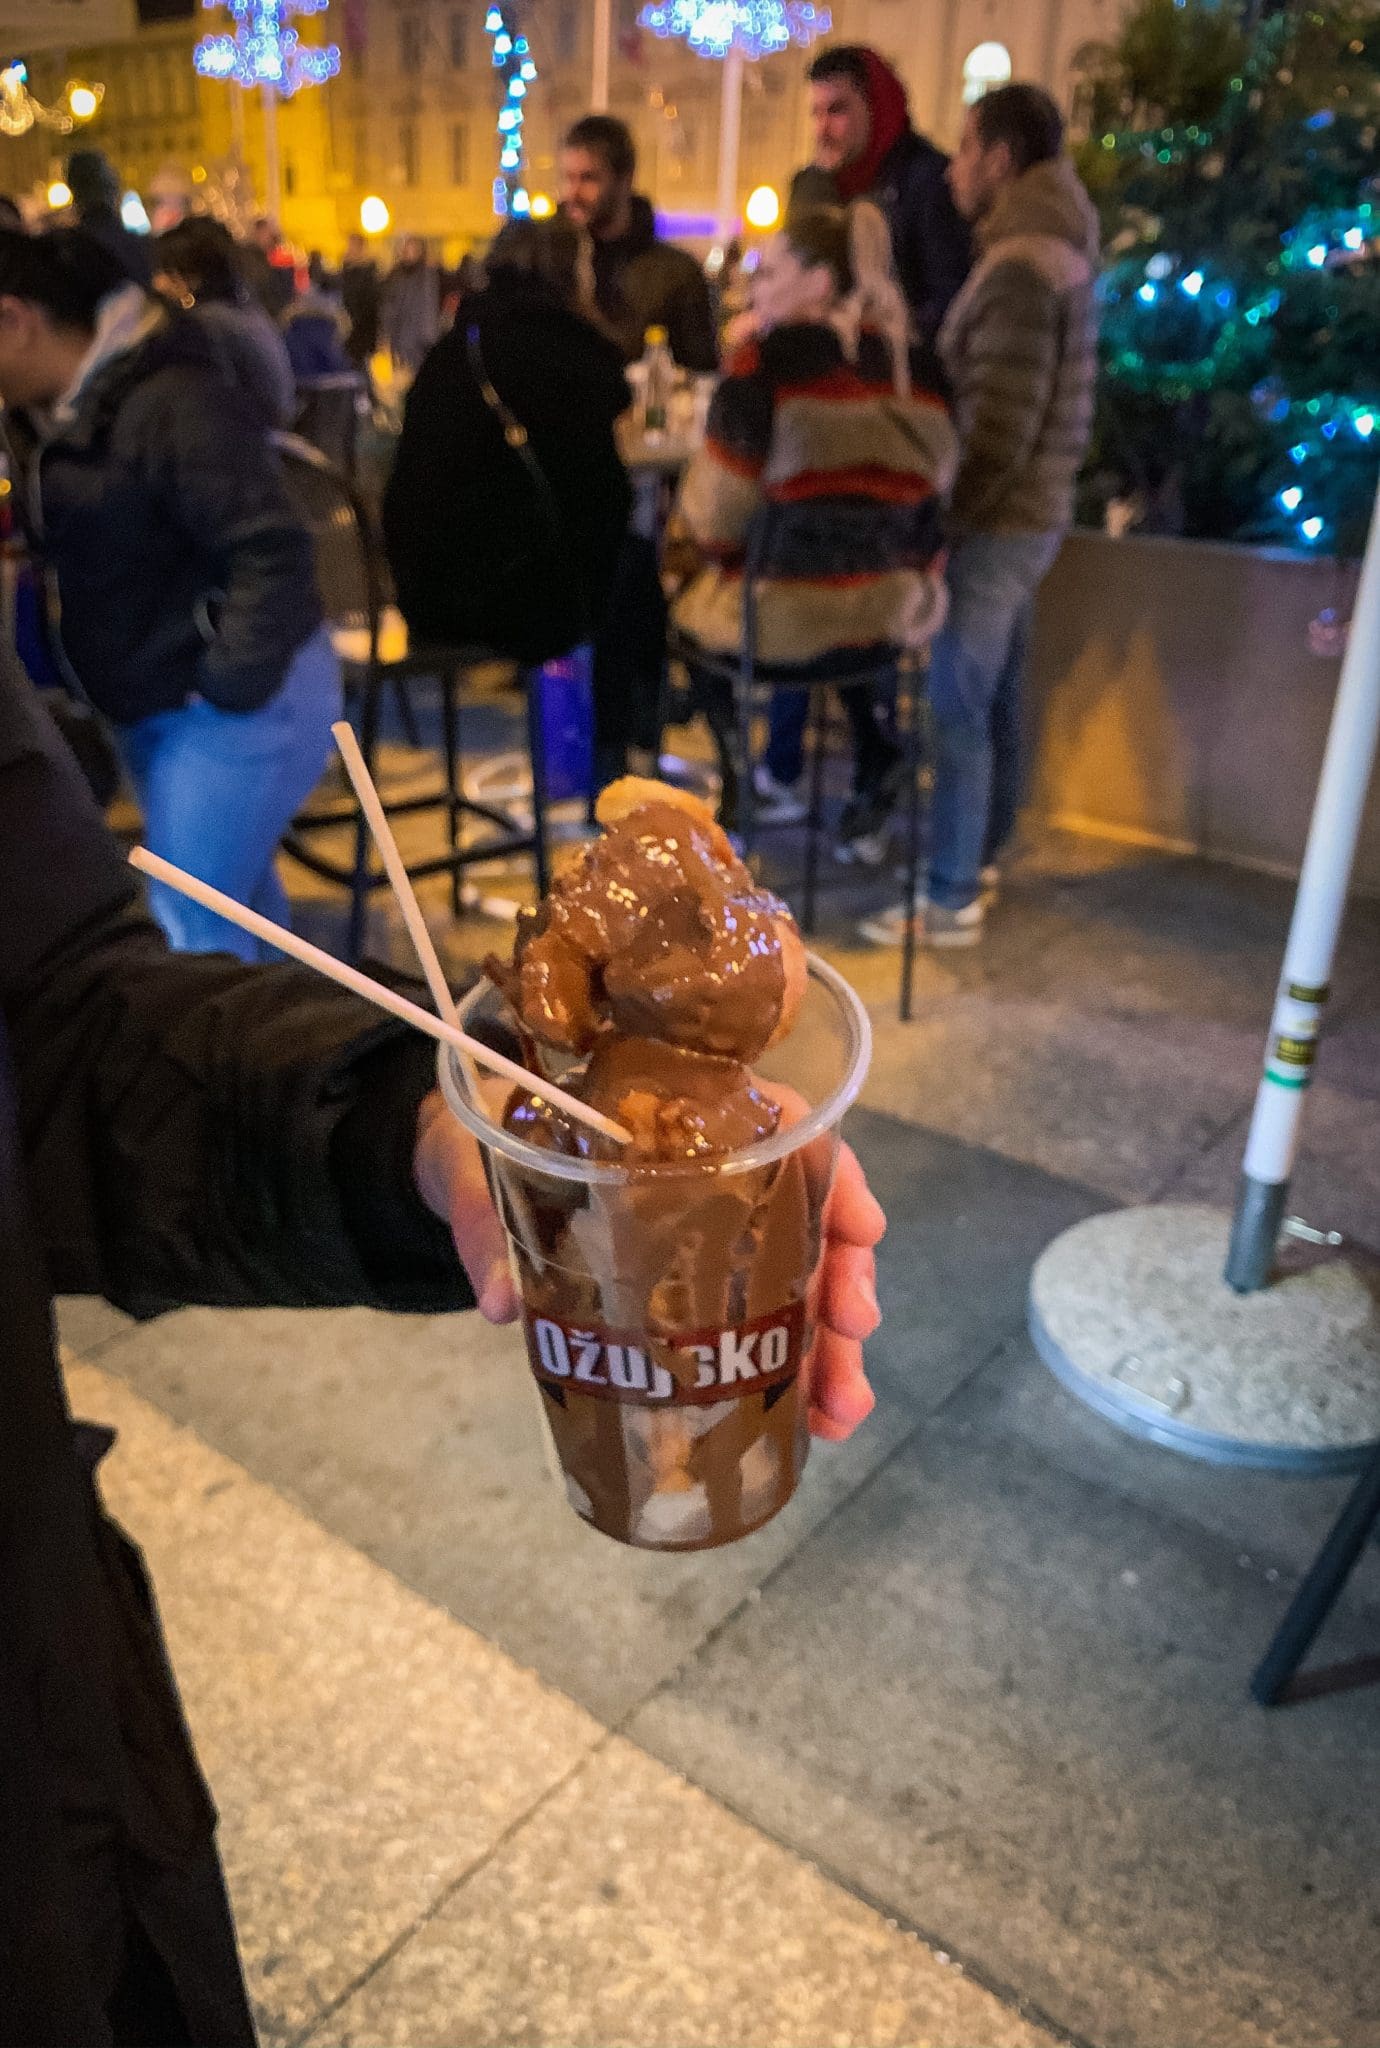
(1327, 862)
(603, 37)
(273, 174)
(730, 138)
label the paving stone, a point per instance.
(364, 1749)
(632, 1912)
(1035, 1743)
(1118, 1105)
(85, 1323)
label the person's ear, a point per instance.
(1001, 162)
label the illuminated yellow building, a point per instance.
(411, 117)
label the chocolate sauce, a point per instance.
(659, 929)
(666, 1307)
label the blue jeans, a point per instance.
(977, 676)
(218, 790)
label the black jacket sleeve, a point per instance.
(194, 1129)
(693, 341)
(935, 246)
(223, 483)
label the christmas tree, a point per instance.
(1232, 151)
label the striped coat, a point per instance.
(849, 480)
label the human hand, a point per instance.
(846, 1308)
(450, 1177)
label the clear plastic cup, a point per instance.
(667, 1308)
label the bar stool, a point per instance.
(752, 693)
(372, 642)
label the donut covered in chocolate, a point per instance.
(659, 931)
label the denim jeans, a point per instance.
(977, 677)
(218, 790)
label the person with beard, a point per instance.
(410, 305)
(639, 282)
(866, 148)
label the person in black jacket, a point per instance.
(479, 554)
(189, 613)
(865, 147)
(639, 282)
(177, 1130)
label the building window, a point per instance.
(984, 67)
(356, 56)
(407, 148)
(567, 35)
(459, 41)
(361, 155)
(289, 178)
(459, 154)
(410, 43)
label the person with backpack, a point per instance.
(487, 550)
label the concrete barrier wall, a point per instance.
(1175, 701)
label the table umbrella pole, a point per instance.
(730, 136)
(603, 37)
(1327, 862)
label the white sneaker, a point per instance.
(934, 926)
(868, 850)
(778, 803)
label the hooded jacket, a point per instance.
(161, 514)
(1019, 347)
(903, 174)
(640, 282)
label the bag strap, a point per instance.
(515, 434)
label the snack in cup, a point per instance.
(666, 1283)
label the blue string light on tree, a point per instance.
(264, 49)
(759, 28)
(512, 56)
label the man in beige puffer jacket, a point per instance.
(1018, 344)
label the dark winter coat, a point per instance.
(903, 174)
(174, 1128)
(181, 566)
(640, 282)
(473, 558)
(1019, 346)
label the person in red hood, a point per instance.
(865, 147)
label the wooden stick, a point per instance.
(371, 804)
(372, 991)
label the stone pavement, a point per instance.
(958, 1750)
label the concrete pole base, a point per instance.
(1131, 1312)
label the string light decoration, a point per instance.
(20, 111)
(264, 49)
(512, 58)
(759, 28)
(1239, 396)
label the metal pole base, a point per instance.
(1255, 1233)
(1131, 1312)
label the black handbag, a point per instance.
(545, 548)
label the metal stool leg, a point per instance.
(536, 750)
(359, 878)
(747, 795)
(1314, 1599)
(407, 712)
(450, 741)
(813, 821)
(910, 669)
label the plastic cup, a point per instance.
(667, 1308)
